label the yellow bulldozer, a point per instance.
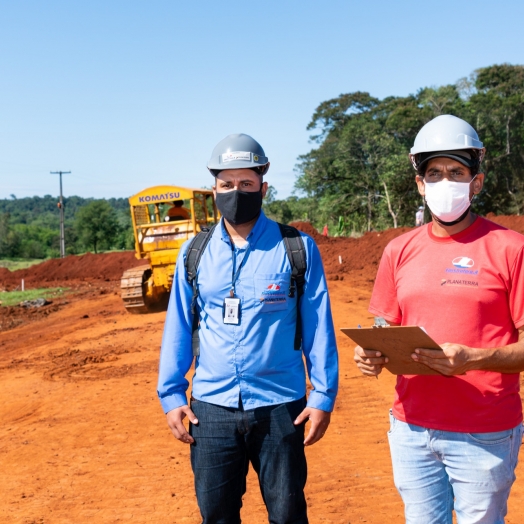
(164, 217)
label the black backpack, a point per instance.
(296, 253)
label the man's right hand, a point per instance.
(174, 421)
(369, 361)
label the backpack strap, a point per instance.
(296, 253)
(193, 255)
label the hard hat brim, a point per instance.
(259, 169)
(449, 154)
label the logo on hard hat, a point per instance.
(236, 155)
(463, 262)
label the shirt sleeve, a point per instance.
(318, 333)
(516, 292)
(384, 301)
(176, 354)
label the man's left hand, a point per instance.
(454, 359)
(319, 423)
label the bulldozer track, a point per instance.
(132, 289)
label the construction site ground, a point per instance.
(82, 435)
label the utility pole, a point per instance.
(61, 207)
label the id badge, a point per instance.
(231, 310)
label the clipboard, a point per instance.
(397, 343)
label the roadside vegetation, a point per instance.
(14, 264)
(13, 298)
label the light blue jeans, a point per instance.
(438, 471)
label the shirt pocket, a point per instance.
(271, 292)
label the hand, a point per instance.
(174, 421)
(369, 361)
(319, 423)
(454, 359)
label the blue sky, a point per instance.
(127, 94)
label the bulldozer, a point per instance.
(163, 217)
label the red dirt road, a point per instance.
(83, 438)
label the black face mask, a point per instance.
(239, 207)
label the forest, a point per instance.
(356, 178)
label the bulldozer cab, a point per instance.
(164, 217)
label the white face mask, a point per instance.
(447, 199)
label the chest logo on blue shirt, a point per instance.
(273, 295)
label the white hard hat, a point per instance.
(447, 133)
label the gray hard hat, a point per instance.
(238, 151)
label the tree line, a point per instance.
(30, 227)
(358, 177)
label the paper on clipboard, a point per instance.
(397, 343)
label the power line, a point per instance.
(61, 207)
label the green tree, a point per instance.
(359, 168)
(97, 225)
(10, 239)
(496, 108)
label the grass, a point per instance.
(13, 298)
(14, 264)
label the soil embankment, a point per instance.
(73, 269)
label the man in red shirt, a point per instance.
(454, 437)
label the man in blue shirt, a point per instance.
(248, 401)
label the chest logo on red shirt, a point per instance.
(463, 266)
(463, 262)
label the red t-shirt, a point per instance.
(465, 289)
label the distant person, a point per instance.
(251, 339)
(454, 436)
(325, 231)
(419, 217)
(177, 212)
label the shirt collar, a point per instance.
(254, 235)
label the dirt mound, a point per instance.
(356, 254)
(103, 266)
(4, 275)
(307, 228)
(510, 221)
(362, 255)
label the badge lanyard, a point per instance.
(231, 306)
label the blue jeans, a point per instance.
(438, 471)
(228, 439)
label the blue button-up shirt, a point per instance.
(254, 360)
